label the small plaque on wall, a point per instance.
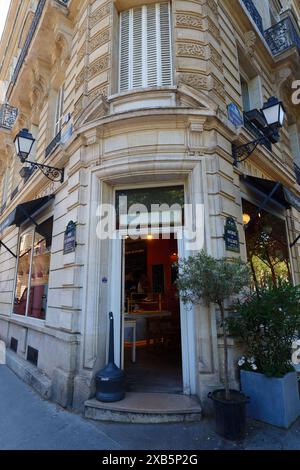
(231, 236)
(70, 238)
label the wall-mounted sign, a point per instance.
(70, 238)
(234, 115)
(231, 235)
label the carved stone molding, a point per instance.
(82, 52)
(250, 41)
(200, 51)
(82, 29)
(98, 40)
(81, 78)
(98, 66)
(196, 80)
(63, 46)
(96, 109)
(100, 13)
(215, 57)
(214, 29)
(194, 21)
(101, 90)
(191, 49)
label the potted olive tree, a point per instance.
(268, 323)
(204, 278)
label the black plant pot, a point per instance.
(230, 415)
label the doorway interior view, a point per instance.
(151, 318)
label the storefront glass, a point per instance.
(267, 245)
(34, 260)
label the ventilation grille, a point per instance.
(32, 355)
(13, 344)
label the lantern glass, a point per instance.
(24, 143)
(274, 112)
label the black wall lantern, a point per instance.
(268, 120)
(24, 142)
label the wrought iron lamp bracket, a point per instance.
(52, 173)
(240, 153)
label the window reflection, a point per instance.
(23, 273)
(39, 261)
(267, 246)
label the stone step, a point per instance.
(146, 408)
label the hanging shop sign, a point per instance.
(70, 238)
(231, 236)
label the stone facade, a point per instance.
(179, 133)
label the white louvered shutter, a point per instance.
(165, 41)
(124, 51)
(145, 47)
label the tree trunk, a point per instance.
(226, 374)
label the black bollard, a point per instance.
(110, 381)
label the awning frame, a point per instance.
(267, 199)
(8, 249)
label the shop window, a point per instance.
(145, 47)
(267, 245)
(31, 291)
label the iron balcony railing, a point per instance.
(30, 35)
(8, 115)
(282, 36)
(297, 173)
(254, 14)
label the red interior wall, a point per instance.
(159, 252)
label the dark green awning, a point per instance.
(273, 191)
(279, 193)
(21, 214)
(24, 212)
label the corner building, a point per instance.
(135, 98)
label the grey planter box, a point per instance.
(272, 400)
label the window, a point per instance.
(5, 182)
(245, 95)
(267, 246)
(145, 47)
(59, 111)
(251, 93)
(33, 271)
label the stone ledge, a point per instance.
(29, 374)
(146, 408)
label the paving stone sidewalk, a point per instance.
(28, 422)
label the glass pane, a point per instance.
(151, 197)
(40, 270)
(267, 246)
(23, 273)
